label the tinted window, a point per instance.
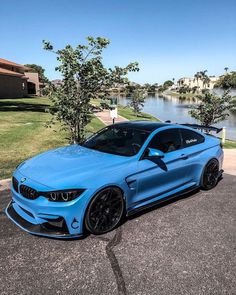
(166, 141)
(117, 140)
(191, 138)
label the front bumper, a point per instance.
(45, 218)
(55, 229)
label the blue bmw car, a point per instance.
(120, 170)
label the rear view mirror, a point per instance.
(154, 153)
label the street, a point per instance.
(186, 246)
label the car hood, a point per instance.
(68, 166)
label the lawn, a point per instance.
(23, 134)
(129, 114)
(230, 144)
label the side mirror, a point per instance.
(154, 153)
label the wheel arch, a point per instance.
(98, 191)
(204, 167)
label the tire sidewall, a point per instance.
(203, 187)
(92, 201)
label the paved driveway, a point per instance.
(183, 247)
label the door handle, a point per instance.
(184, 157)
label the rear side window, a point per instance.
(166, 141)
(190, 137)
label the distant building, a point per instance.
(199, 83)
(57, 82)
(17, 80)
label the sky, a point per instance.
(169, 38)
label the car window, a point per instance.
(166, 141)
(117, 140)
(191, 138)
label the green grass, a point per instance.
(128, 113)
(187, 95)
(230, 144)
(23, 133)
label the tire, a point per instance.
(105, 211)
(210, 175)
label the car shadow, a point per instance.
(166, 202)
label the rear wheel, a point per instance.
(210, 175)
(105, 211)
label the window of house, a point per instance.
(166, 141)
(190, 137)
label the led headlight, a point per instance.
(64, 195)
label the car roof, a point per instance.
(143, 125)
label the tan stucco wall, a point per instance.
(193, 82)
(34, 78)
(12, 87)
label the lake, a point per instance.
(176, 109)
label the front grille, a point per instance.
(15, 184)
(28, 192)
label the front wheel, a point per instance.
(210, 175)
(104, 211)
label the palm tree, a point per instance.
(205, 79)
(226, 70)
(197, 76)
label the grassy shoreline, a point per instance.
(23, 133)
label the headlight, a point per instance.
(63, 195)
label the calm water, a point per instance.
(176, 110)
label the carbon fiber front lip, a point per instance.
(35, 229)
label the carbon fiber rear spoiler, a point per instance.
(203, 128)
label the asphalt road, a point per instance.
(182, 247)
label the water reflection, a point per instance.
(167, 107)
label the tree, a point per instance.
(168, 83)
(212, 108)
(137, 101)
(197, 76)
(226, 70)
(84, 78)
(227, 81)
(40, 70)
(205, 79)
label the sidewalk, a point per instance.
(104, 116)
(229, 164)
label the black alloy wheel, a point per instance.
(210, 174)
(105, 211)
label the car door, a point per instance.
(169, 174)
(193, 147)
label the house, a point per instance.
(199, 83)
(57, 82)
(17, 80)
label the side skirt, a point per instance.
(133, 211)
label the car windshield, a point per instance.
(117, 140)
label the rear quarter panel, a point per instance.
(201, 154)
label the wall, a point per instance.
(33, 78)
(12, 87)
